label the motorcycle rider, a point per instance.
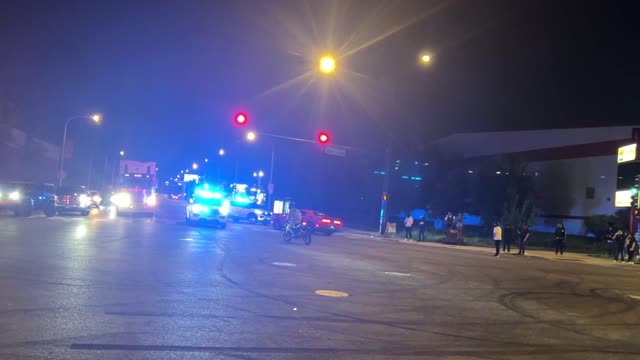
(294, 218)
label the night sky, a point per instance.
(168, 76)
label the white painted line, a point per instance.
(283, 264)
(636, 297)
(396, 273)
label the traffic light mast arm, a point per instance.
(299, 139)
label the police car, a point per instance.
(208, 206)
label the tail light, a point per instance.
(337, 222)
(304, 223)
(326, 221)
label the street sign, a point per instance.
(627, 153)
(336, 151)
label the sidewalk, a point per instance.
(545, 254)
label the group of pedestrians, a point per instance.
(619, 242)
(450, 222)
(503, 238)
(408, 227)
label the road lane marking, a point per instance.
(331, 293)
(397, 273)
(282, 264)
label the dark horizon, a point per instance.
(174, 73)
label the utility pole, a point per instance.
(270, 187)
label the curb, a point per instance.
(583, 259)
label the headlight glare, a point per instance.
(121, 200)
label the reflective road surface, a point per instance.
(154, 288)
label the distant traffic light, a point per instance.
(241, 119)
(323, 138)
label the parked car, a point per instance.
(250, 212)
(24, 198)
(317, 220)
(77, 199)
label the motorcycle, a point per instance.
(303, 231)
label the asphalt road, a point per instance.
(139, 288)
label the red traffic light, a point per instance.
(241, 119)
(323, 138)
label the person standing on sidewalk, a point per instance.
(497, 237)
(449, 220)
(610, 235)
(560, 235)
(459, 227)
(507, 237)
(408, 226)
(619, 239)
(523, 234)
(631, 248)
(422, 225)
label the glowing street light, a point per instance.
(221, 152)
(424, 59)
(121, 152)
(194, 166)
(327, 64)
(96, 118)
(206, 160)
(251, 136)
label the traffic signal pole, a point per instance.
(385, 189)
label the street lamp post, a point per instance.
(270, 187)
(221, 153)
(95, 117)
(115, 166)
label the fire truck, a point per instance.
(136, 188)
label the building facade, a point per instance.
(574, 170)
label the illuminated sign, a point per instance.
(278, 207)
(623, 198)
(627, 153)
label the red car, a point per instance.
(320, 221)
